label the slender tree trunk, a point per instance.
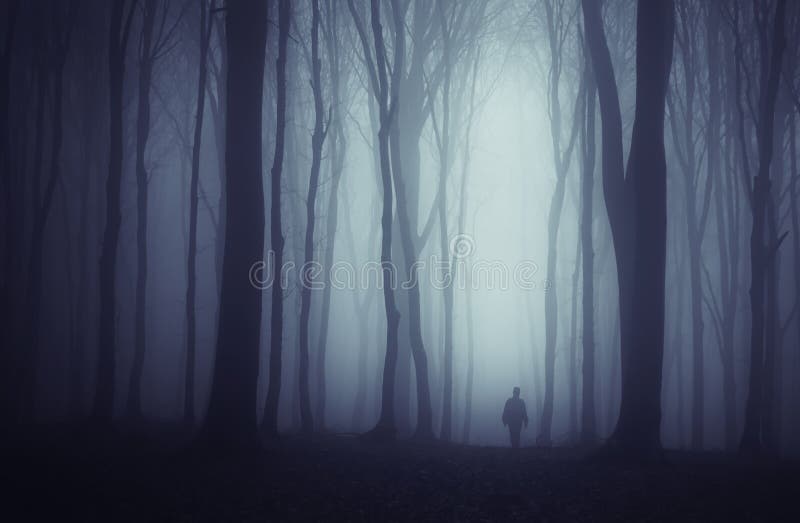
(363, 308)
(588, 430)
(134, 407)
(103, 408)
(562, 161)
(462, 216)
(337, 152)
(317, 141)
(42, 208)
(206, 21)
(572, 370)
(752, 437)
(385, 428)
(444, 243)
(270, 420)
(78, 356)
(30, 333)
(727, 229)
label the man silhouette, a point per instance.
(514, 415)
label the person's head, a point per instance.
(516, 392)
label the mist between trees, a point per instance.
(594, 201)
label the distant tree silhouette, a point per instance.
(118, 33)
(206, 25)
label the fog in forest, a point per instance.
(247, 220)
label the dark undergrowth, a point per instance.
(70, 475)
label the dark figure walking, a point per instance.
(514, 415)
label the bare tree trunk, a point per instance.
(206, 21)
(270, 421)
(134, 408)
(29, 346)
(588, 415)
(231, 423)
(556, 26)
(385, 428)
(424, 429)
(119, 30)
(752, 437)
(795, 212)
(462, 216)
(9, 407)
(42, 202)
(444, 244)
(773, 339)
(363, 306)
(317, 141)
(636, 205)
(572, 369)
(727, 216)
(78, 356)
(337, 152)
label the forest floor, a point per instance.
(339, 478)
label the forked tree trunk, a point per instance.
(385, 428)
(636, 206)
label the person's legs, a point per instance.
(514, 432)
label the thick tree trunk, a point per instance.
(636, 205)
(795, 212)
(231, 423)
(424, 429)
(9, 386)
